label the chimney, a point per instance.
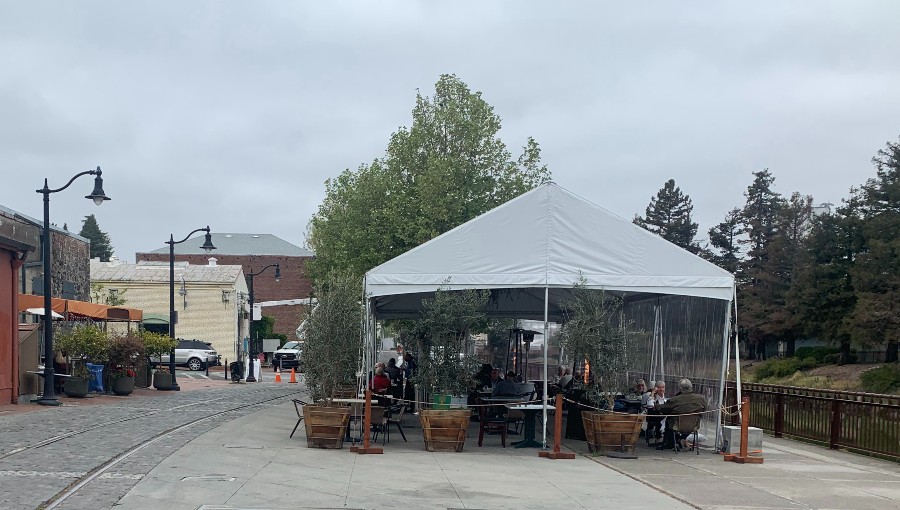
(113, 261)
(212, 261)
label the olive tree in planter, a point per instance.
(331, 354)
(156, 346)
(596, 330)
(446, 365)
(125, 351)
(83, 343)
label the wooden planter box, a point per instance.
(325, 426)
(445, 430)
(611, 432)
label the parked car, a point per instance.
(288, 356)
(194, 354)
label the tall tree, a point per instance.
(100, 244)
(876, 272)
(760, 214)
(724, 238)
(669, 216)
(447, 168)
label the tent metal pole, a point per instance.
(725, 349)
(737, 356)
(546, 344)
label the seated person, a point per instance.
(686, 403)
(495, 378)
(483, 377)
(507, 387)
(380, 383)
(650, 404)
(565, 382)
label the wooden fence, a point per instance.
(860, 422)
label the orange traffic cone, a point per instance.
(293, 377)
(278, 375)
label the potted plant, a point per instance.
(124, 353)
(447, 366)
(82, 344)
(596, 331)
(331, 357)
(156, 346)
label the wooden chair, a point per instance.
(298, 406)
(491, 418)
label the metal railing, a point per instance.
(860, 422)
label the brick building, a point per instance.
(254, 252)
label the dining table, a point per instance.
(530, 411)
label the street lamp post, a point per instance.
(48, 397)
(251, 274)
(207, 246)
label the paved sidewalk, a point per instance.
(250, 463)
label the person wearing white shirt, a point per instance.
(650, 403)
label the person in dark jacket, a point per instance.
(687, 404)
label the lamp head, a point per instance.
(98, 196)
(277, 272)
(207, 243)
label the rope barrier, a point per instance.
(424, 403)
(720, 408)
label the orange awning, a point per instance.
(92, 310)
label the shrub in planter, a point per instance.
(157, 345)
(125, 351)
(77, 386)
(447, 365)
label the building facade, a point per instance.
(210, 299)
(17, 241)
(253, 252)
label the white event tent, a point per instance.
(532, 250)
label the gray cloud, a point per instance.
(233, 114)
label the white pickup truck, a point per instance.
(288, 356)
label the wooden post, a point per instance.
(835, 436)
(367, 422)
(557, 433)
(743, 458)
(779, 414)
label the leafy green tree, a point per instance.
(724, 238)
(100, 244)
(669, 216)
(99, 294)
(264, 328)
(447, 168)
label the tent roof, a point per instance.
(547, 237)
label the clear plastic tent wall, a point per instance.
(679, 337)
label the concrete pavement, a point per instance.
(250, 463)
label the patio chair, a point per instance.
(395, 417)
(690, 423)
(491, 418)
(298, 407)
(378, 423)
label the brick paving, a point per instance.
(41, 454)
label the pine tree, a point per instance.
(100, 245)
(724, 237)
(669, 216)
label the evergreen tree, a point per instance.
(100, 244)
(757, 292)
(724, 237)
(669, 216)
(876, 272)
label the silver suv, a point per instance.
(193, 354)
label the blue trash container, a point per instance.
(96, 381)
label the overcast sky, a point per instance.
(233, 114)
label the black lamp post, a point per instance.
(207, 246)
(251, 274)
(48, 398)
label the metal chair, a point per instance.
(687, 422)
(378, 423)
(394, 417)
(298, 406)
